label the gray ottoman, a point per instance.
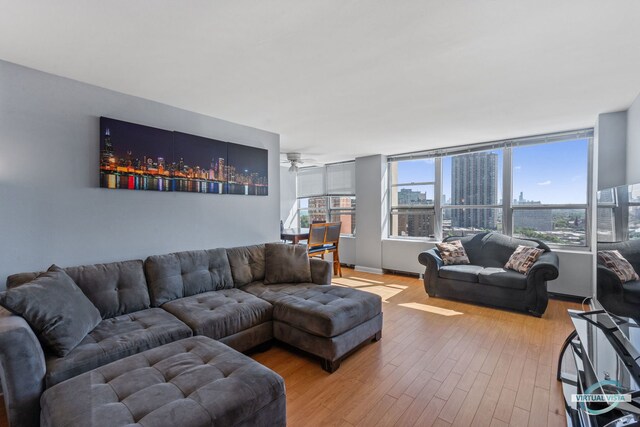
(325, 320)
(192, 382)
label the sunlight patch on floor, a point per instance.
(366, 280)
(385, 291)
(431, 309)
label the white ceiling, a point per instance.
(339, 79)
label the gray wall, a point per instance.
(371, 211)
(611, 142)
(51, 209)
(633, 142)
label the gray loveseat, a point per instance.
(485, 281)
(218, 293)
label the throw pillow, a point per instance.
(614, 261)
(55, 308)
(523, 259)
(452, 252)
(285, 263)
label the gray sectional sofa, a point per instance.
(218, 293)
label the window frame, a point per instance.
(327, 197)
(415, 210)
(507, 206)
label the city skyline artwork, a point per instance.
(137, 157)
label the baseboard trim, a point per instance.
(369, 270)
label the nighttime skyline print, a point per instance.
(138, 157)
(135, 157)
(247, 170)
(200, 164)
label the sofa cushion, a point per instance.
(55, 308)
(324, 310)
(494, 249)
(183, 274)
(222, 313)
(247, 264)
(194, 382)
(272, 293)
(502, 278)
(286, 263)
(116, 338)
(115, 288)
(523, 259)
(452, 253)
(465, 273)
(617, 263)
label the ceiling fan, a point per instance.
(295, 160)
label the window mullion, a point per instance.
(507, 186)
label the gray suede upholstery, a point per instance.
(193, 382)
(110, 377)
(116, 338)
(493, 285)
(247, 264)
(183, 274)
(57, 310)
(327, 311)
(116, 288)
(221, 313)
(22, 370)
(286, 263)
(321, 271)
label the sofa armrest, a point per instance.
(608, 281)
(22, 368)
(431, 258)
(432, 261)
(545, 268)
(321, 271)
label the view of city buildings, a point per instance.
(474, 181)
(331, 209)
(136, 163)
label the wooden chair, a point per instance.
(324, 238)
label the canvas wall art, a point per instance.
(137, 157)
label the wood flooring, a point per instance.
(439, 363)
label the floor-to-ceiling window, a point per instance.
(534, 187)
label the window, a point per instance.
(472, 193)
(533, 187)
(550, 191)
(412, 190)
(328, 194)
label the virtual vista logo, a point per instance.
(612, 400)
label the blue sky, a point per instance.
(549, 173)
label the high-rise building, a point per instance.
(474, 181)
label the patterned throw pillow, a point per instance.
(523, 259)
(614, 261)
(452, 252)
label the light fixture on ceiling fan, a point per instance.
(295, 160)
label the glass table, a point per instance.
(600, 357)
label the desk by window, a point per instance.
(294, 235)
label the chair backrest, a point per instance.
(317, 233)
(321, 234)
(333, 233)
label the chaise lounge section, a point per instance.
(219, 294)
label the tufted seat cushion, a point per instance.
(114, 339)
(322, 310)
(222, 313)
(193, 382)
